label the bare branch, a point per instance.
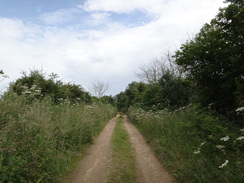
(152, 72)
(99, 88)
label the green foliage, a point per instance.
(37, 86)
(40, 140)
(214, 59)
(108, 100)
(132, 95)
(122, 102)
(153, 97)
(193, 145)
(169, 92)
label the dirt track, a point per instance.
(150, 170)
(93, 168)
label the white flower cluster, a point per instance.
(225, 138)
(64, 101)
(34, 90)
(224, 164)
(197, 151)
(221, 147)
(199, 148)
(239, 110)
(240, 138)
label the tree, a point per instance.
(108, 100)
(176, 91)
(214, 59)
(131, 96)
(152, 72)
(169, 92)
(36, 85)
(99, 88)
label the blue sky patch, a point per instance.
(29, 8)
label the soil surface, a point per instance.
(94, 167)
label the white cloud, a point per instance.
(111, 53)
(59, 16)
(160, 7)
(99, 18)
(123, 6)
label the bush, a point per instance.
(214, 60)
(36, 85)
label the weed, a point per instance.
(123, 159)
(193, 145)
(39, 140)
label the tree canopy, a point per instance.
(165, 89)
(38, 86)
(214, 59)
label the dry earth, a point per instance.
(94, 167)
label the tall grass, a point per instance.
(193, 145)
(39, 140)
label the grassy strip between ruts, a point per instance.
(123, 167)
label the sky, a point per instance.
(87, 40)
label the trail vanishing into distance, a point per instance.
(95, 167)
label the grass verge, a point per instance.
(40, 141)
(123, 168)
(193, 146)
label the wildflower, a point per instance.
(210, 105)
(240, 109)
(197, 151)
(225, 138)
(27, 92)
(224, 164)
(182, 108)
(220, 146)
(240, 138)
(202, 143)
